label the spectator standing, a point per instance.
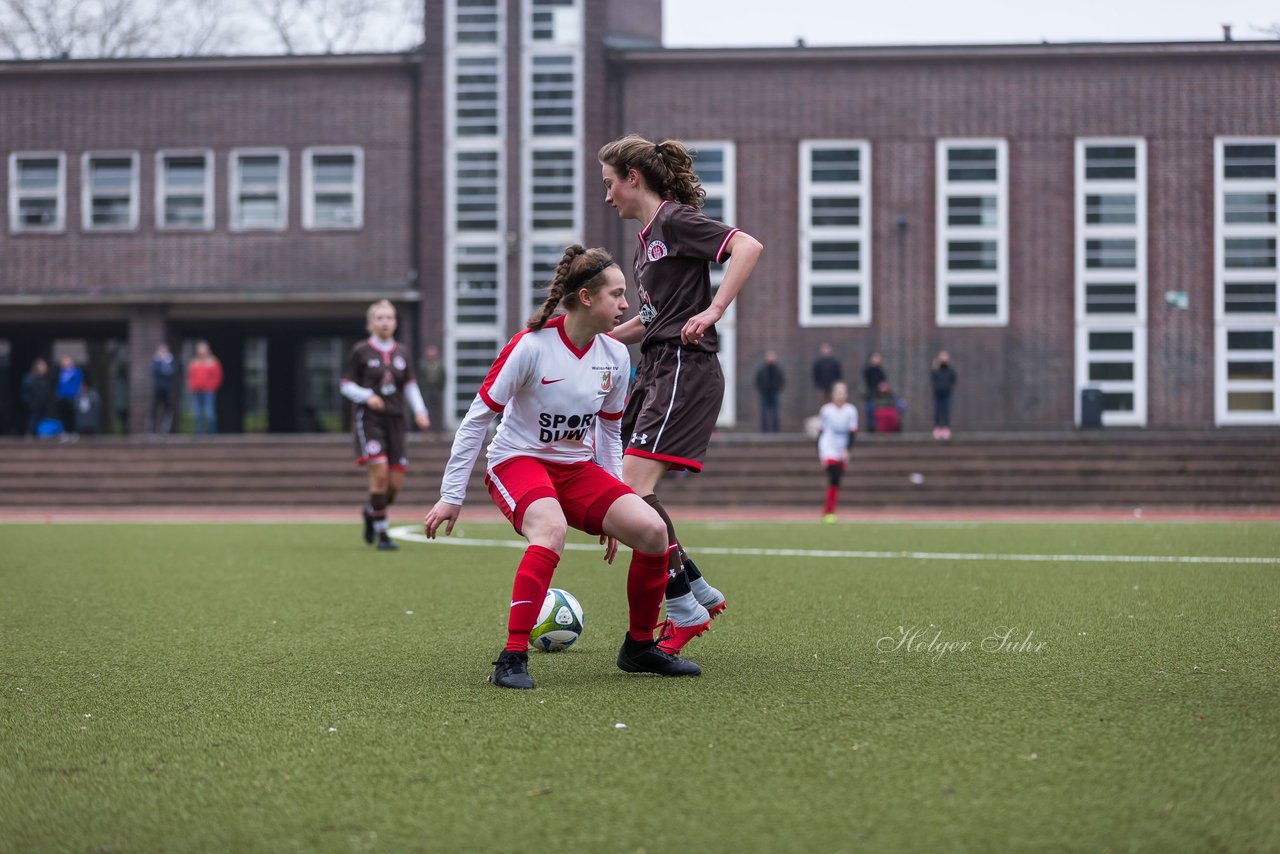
(431, 378)
(36, 394)
(204, 378)
(164, 369)
(943, 377)
(88, 410)
(69, 380)
(826, 372)
(872, 376)
(769, 383)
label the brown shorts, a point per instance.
(381, 438)
(674, 406)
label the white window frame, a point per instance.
(946, 233)
(1225, 322)
(809, 191)
(1137, 386)
(16, 194)
(86, 191)
(727, 325)
(309, 187)
(458, 241)
(163, 192)
(1135, 322)
(568, 18)
(233, 187)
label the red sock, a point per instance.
(829, 506)
(533, 577)
(646, 586)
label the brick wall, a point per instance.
(1016, 377)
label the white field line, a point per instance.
(414, 534)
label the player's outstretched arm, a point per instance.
(744, 252)
(629, 331)
(443, 512)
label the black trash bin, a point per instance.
(1091, 407)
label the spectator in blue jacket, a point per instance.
(163, 370)
(68, 389)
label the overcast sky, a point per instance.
(702, 23)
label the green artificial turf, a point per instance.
(285, 688)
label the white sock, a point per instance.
(685, 611)
(705, 593)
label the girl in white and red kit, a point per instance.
(556, 460)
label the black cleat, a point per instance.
(645, 657)
(387, 544)
(368, 524)
(511, 670)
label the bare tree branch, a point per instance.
(116, 28)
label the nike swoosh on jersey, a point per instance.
(546, 381)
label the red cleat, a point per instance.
(718, 608)
(672, 638)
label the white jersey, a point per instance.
(836, 422)
(553, 397)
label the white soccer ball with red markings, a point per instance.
(559, 622)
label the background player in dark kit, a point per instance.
(379, 380)
(679, 385)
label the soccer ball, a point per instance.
(559, 622)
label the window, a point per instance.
(476, 284)
(972, 275)
(476, 22)
(1111, 276)
(556, 22)
(716, 165)
(109, 191)
(544, 258)
(554, 190)
(1246, 273)
(554, 95)
(184, 190)
(259, 189)
(37, 191)
(472, 359)
(477, 204)
(332, 188)
(477, 94)
(835, 264)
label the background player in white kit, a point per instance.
(838, 427)
(556, 460)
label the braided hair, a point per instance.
(578, 268)
(667, 167)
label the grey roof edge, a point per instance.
(1267, 48)
(158, 64)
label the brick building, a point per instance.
(1058, 217)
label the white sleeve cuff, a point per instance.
(355, 393)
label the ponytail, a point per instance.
(667, 167)
(578, 268)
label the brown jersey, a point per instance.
(673, 273)
(387, 373)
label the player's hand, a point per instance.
(698, 325)
(844, 456)
(442, 512)
(375, 403)
(610, 547)
(422, 420)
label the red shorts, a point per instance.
(585, 491)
